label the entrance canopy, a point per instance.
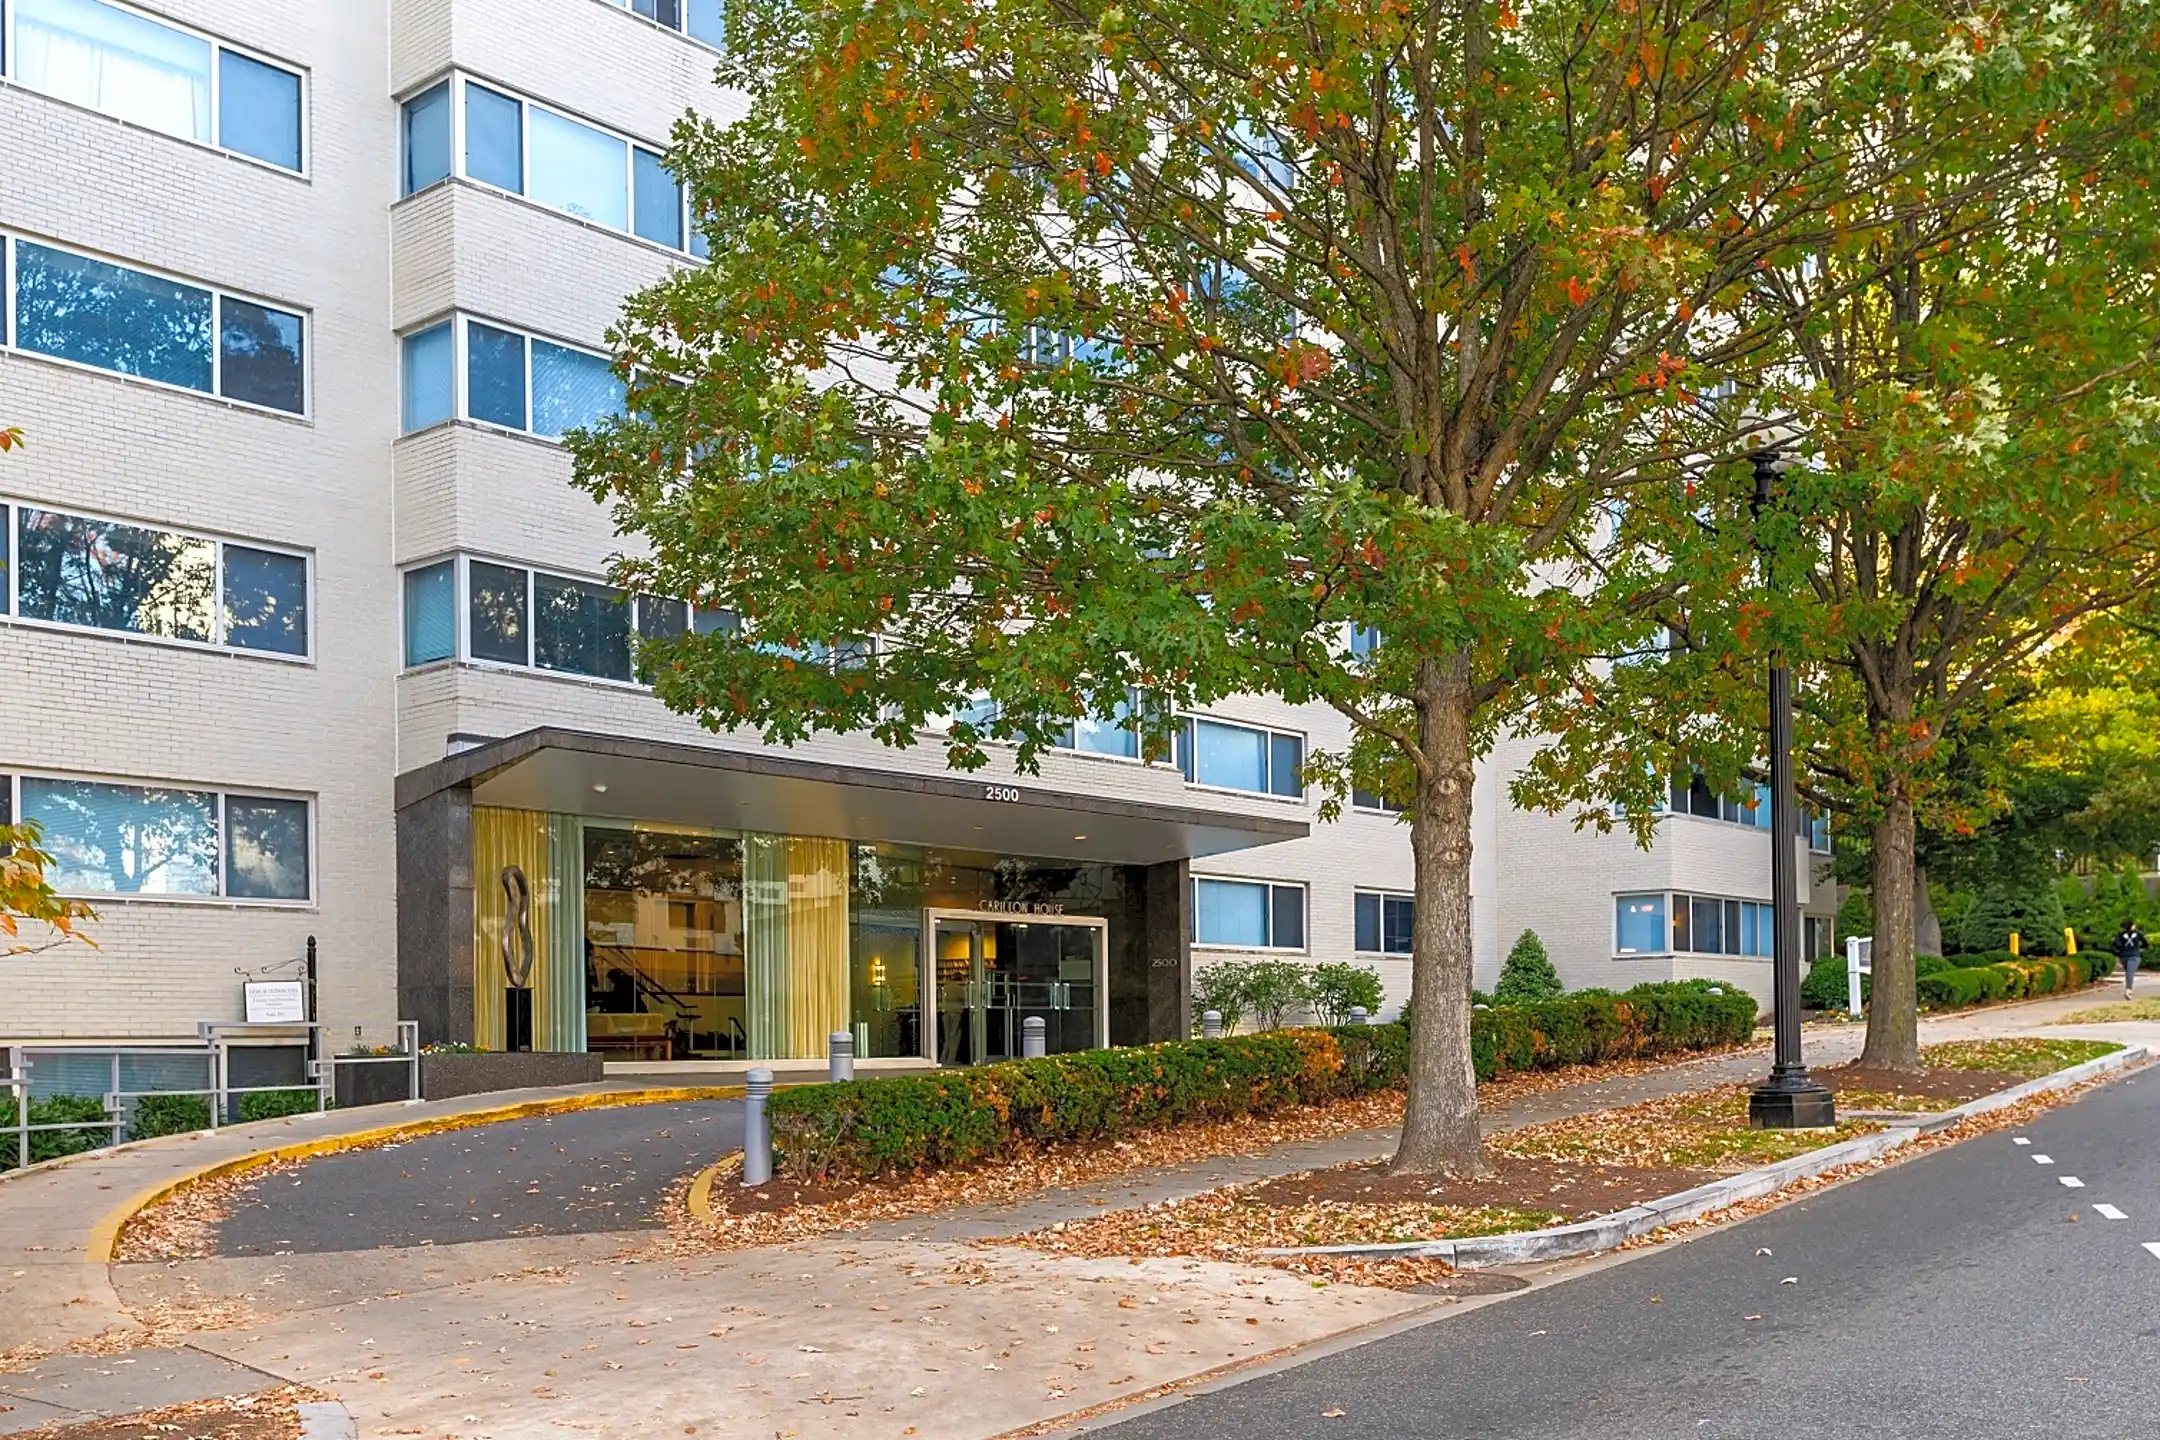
(572, 772)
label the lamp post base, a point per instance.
(1791, 1102)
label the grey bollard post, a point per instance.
(757, 1135)
(1211, 1025)
(840, 1046)
(1034, 1038)
(1358, 1015)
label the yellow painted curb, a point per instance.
(105, 1235)
(699, 1200)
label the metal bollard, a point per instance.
(757, 1135)
(1034, 1038)
(840, 1050)
(1211, 1025)
(1358, 1015)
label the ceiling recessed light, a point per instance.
(599, 789)
(1079, 837)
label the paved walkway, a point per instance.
(909, 1325)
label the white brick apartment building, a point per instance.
(302, 635)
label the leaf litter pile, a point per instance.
(270, 1415)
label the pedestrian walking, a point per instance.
(2130, 948)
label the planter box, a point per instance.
(444, 1076)
(375, 1084)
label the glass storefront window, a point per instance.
(664, 959)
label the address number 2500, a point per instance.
(1001, 792)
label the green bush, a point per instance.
(2035, 915)
(1951, 908)
(271, 1104)
(52, 1144)
(1334, 989)
(893, 1124)
(2005, 978)
(1273, 988)
(1221, 988)
(1527, 973)
(1824, 987)
(168, 1115)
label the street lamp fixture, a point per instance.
(1790, 1099)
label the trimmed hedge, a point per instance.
(168, 1115)
(862, 1129)
(275, 1104)
(52, 1144)
(2009, 979)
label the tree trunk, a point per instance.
(1893, 1017)
(1926, 924)
(1440, 1120)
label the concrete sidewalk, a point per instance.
(55, 1292)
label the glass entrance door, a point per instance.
(992, 973)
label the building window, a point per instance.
(517, 381)
(699, 19)
(1817, 939)
(129, 321)
(1241, 757)
(1248, 914)
(537, 620)
(113, 839)
(136, 580)
(1373, 800)
(1119, 736)
(550, 158)
(1383, 922)
(1641, 927)
(1701, 925)
(157, 75)
(1364, 641)
(431, 613)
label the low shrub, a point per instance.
(168, 1115)
(1824, 987)
(1335, 989)
(862, 1129)
(52, 1144)
(2004, 978)
(272, 1104)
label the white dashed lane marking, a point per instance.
(2154, 1246)
(2019, 1140)
(2073, 1182)
(2043, 1159)
(2109, 1212)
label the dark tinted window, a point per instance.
(580, 628)
(77, 571)
(266, 848)
(494, 375)
(85, 310)
(266, 601)
(263, 360)
(497, 620)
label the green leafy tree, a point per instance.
(1965, 402)
(1527, 973)
(1063, 349)
(2034, 915)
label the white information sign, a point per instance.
(276, 1002)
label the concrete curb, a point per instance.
(104, 1239)
(1589, 1237)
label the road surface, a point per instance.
(1971, 1294)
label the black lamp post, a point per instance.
(1790, 1099)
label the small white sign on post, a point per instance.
(1859, 961)
(276, 1002)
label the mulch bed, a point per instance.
(1572, 1189)
(1955, 1086)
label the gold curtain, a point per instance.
(765, 944)
(502, 838)
(817, 927)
